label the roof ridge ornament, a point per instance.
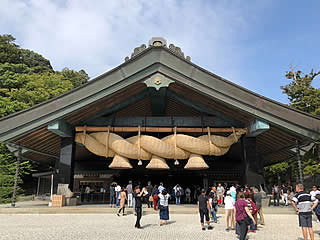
(159, 42)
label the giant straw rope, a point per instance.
(145, 147)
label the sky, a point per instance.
(251, 43)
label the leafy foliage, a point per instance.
(8, 163)
(301, 94)
(26, 79)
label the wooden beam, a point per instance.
(35, 151)
(155, 129)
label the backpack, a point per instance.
(254, 207)
(178, 193)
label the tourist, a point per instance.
(258, 201)
(313, 194)
(221, 191)
(188, 195)
(214, 198)
(317, 208)
(177, 193)
(275, 194)
(233, 191)
(118, 190)
(290, 194)
(112, 195)
(155, 197)
(229, 210)
(303, 204)
(284, 194)
(164, 206)
(253, 209)
(129, 191)
(212, 207)
(123, 198)
(203, 204)
(243, 216)
(87, 191)
(138, 204)
(149, 197)
(160, 188)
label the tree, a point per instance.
(301, 94)
(26, 79)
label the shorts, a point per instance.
(204, 212)
(305, 220)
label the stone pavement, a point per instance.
(41, 207)
(112, 227)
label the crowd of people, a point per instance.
(242, 204)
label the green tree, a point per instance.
(26, 79)
(8, 163)
(305, 97)
(301, 94)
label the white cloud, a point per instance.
(97, 35)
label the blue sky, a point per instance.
(251, 43)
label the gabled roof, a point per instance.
(148, 62)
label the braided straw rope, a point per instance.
(145, 147)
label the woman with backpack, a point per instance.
(253, 209)
(243, 216)
(164, 206)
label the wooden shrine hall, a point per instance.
(159, 117)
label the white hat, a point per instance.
(229, 192)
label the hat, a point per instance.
(229, 192)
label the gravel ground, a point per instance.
(112, 227)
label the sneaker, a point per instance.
(118, 214)
(203, 229)
(227, 229)
(210, 227)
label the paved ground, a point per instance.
(111, 227)
(41, 207)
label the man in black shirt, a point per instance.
(203, 204)
(138, 207)
(149, 189)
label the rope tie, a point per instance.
(85, 134)
(175, 143)
(107, 142)
(139, 142)
(209, 136)
(234, 134)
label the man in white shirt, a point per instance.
(313, 194)
(130, 191)
(229, 210)
(118, 190)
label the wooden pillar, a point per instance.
(65, 165)
(253, 166)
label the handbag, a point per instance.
(150, 199)
(247, 220)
